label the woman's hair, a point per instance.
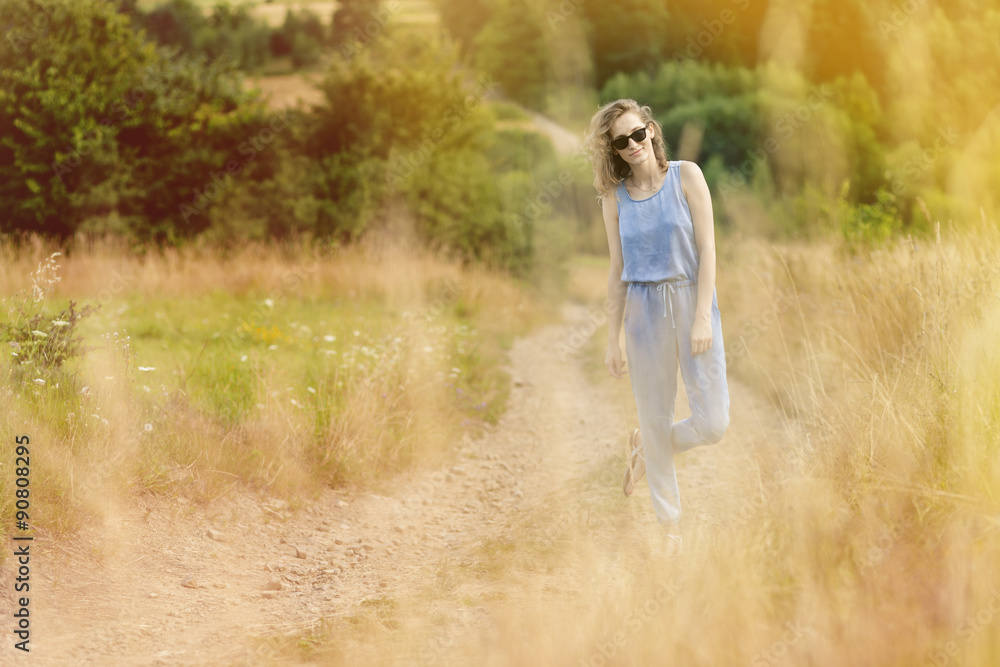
(609, 167)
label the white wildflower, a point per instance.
(60, 323)
(329, 338)
(39, 381)
(146, 369)
(40, 334)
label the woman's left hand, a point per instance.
(701, 336)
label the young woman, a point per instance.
(658, 216)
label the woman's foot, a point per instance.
(673, 544)
(669, 542)
(635, 466)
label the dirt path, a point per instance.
(564, 141)
(165, 592)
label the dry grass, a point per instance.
(868, 536)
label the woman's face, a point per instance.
(624, 126)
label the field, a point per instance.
(238, 350)
(848, 516)
(351, 405)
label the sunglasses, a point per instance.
(621, 143)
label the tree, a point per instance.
(95, 123)
(465, 19)
(225, 33)
(350, 19)
(512, 47)
(843, 39)
(715, 30)
(304, 28)
(174, 23)
(625, 36)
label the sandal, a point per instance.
(669, 546)
(635, 466)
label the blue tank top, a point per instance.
(657, 233)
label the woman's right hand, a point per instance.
(613, 360)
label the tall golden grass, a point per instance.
(866, 533)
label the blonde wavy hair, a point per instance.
(609, 167)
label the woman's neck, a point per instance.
(646, 173)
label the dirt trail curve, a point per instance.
(564, 141)
(132, 607)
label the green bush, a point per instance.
(305, 50)
(868, 224)
(227, 32)
(455, 199)
(350, 18)
(97, 124)
(504, 111)
(301, 36)
(525, 150)
(68, 74)
(730, 125)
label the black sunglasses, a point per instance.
(621, 143)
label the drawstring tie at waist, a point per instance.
(666, 300)
(666, 288)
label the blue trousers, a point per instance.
(658, 320)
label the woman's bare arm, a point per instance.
(700, 203)
(616, 287)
